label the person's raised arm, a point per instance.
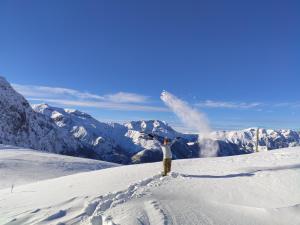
(175, 139)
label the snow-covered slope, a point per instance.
(21, 166)
(21, 126)
(260, 188)
(106, 140)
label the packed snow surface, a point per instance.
(260, 188)
(21, 166)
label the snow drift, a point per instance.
(20, 166)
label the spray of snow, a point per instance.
(195, 120)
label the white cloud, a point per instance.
(126, 97)
(44, 91)
(122, 101)
(101, 105)
(229, 105)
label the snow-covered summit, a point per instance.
(272, 139)
(107, 141)
(20, 125)
(160, 128)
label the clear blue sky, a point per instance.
(238, 61)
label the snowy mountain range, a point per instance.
(71, 132)
(271, 139)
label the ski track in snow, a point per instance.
(94, 212)
(156, 212)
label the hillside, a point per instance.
(20, 166)
(21, 126)
(260, 188)
(112, 141)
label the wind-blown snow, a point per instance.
(188, 115)
(193, 119)
(260, 188)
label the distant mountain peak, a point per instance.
(20, 125)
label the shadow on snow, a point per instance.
(251, 172)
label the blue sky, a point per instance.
(237, 61)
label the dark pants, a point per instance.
(167, 166)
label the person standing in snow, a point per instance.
(167, 155)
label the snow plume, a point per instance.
(194, 120)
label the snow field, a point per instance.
(261, 188)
